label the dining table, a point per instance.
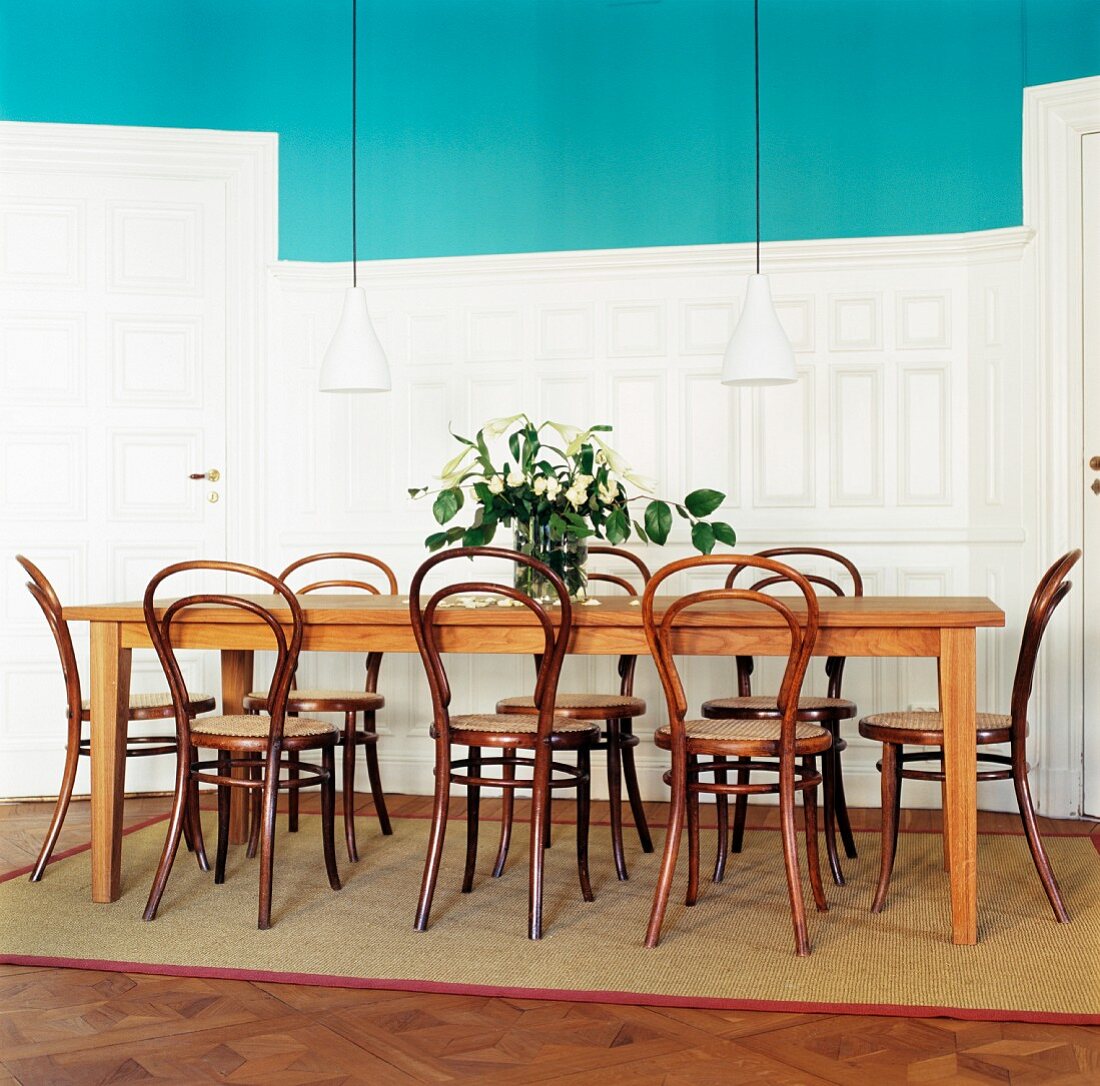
(942, 627)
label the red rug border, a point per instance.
(569, 995)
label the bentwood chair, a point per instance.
(525, 742)
(349, 702)
(616, 713)
(922, 729)
(256, 746)
(828, 712)
(789, 745)
(143, 707)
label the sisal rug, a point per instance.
(733, 949)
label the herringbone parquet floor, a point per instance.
(64, 1026)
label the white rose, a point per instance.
(496, 485)
(539, 485)
(576, 496)
(516, 478)
(583, 481)
(608, 492)
(553, 488)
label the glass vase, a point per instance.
(563, 554)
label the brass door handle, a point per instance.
(1095, 488)
(1094, 463)
(213, 475)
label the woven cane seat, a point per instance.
(244, 726)
(608, 704)
(517, 725)
(840, 707)
(360, 700)
(159, 700)
(753, 731)
(917, 722)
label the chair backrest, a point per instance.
(660, 632)
(46, 598)
(161, 630)
(426, 629)
(834, 665)
(1051, 590)
(374, 659)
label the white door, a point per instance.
(112, 393)
(1090, 189)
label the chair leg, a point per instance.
(507, 806)
(224, 770)
(840, 807)
(630, 776)
(891, 815)
(349, 786)
(68, 779)
(540, 825)
(193, 818)
(473, 813)
(255, 805)
(944, 807)
(435, 836)
(722, 813)
(671, 852)
(830, 765)
(292, 794)
(740, 810)
(328, 814)
(172, 838)
(584, 815)
(614, 794)
(374, 775)
(790, 860)
(692, 895)
(267, 836)
(1035, 842)
(813, 857)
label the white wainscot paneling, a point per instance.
(42, 358)
(154, 248)
(784, 446)
(923, 321)
(431, 337)
(155, 361)
(711, 444)
(148, 475)
(706, 327)
(855, 322)
(567, 397)
(42, 474)
(565, 331)
(494, 335)
(855, 440)
(638, 414)
(430, 444)
(635, 329)
(41, 243)
(64, 566)
(924, 426)
(797, 317)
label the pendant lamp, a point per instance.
(758, 352)
(354, 361)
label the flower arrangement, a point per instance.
(559, 486)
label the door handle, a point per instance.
(1095, 488)
(213, 475)
(1094, 463)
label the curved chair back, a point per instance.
(1051, 590)
(46, 598)
(660, 632)
(834, 665)
(426, 629)
(374, 659)
(161, 630)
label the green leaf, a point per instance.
(701, 503)
(435, 541)
(480, 535)
(416, 491)
(702, 537)
(683, 512)
(642, 534)
(455, 534)
(658, 522)
(723, 533)
(513, 446)
(617, 528)
(447, 504)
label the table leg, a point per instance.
(958, 701)
(236, 682)
(110, 704)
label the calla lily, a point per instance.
(497, 427)
(642, 482)
(456, 466)
(614, 461)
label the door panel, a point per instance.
(1090, 189)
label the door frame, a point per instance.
(247, 164)
(1056, 117)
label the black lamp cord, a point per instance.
(354, 232)
(756, 65)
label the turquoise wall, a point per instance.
(529, 125)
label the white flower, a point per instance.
(583, 481)
(539, 485)
(614, 461)
(553, 488)
(608, 492)
(642, 482)
(516, 478)
(496, 485)
(576, 496)
(456, 466)
(496, 427)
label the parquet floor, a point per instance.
(63, 1026)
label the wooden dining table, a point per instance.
(943, 627)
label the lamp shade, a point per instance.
(758, 352)
(355, 361)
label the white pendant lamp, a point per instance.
(758, 352)
(354, 361)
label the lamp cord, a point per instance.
(354, 57)
(756, 68)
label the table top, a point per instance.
(852, 612)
